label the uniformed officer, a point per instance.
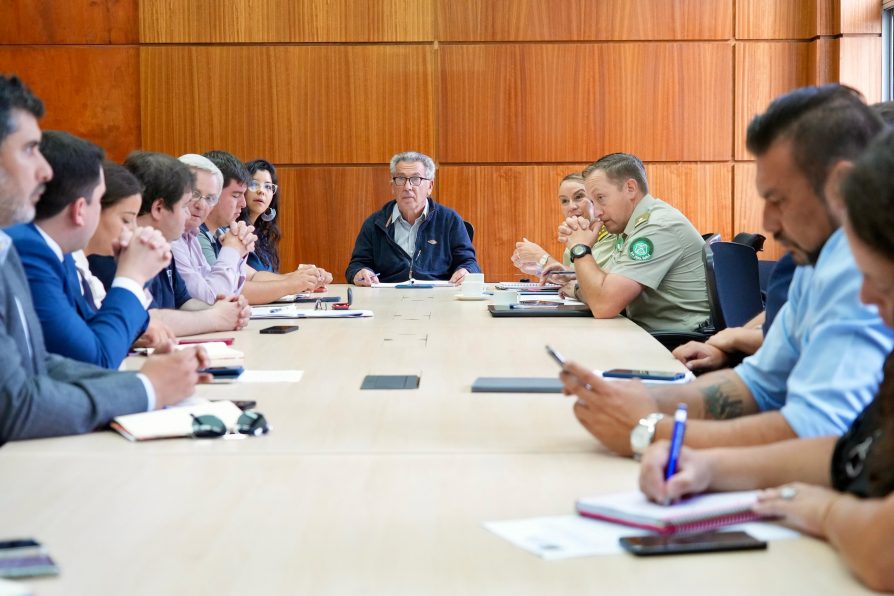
(655, 270)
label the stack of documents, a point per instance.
(293, 311)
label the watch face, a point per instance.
(639, 438)
(579, 250)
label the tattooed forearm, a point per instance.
(721, 403)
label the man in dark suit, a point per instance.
(41, 394)
(66, 217)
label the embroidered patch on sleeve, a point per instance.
(641, 249)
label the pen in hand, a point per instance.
(676, 443)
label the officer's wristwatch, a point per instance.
(643, 434)
(579, 250)
(543, 260)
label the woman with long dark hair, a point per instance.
(262, 211)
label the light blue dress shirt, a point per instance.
(821, 362)
(404, 233)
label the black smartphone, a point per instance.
(242, 404)
(25, 557)
(224, 372)
(560, 360)
(646, 375)
(678, 544)
(279, 329)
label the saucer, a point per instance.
(478, 297)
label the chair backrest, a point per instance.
(470, 229)
(737, 283)
(755, 241)
(713, 302)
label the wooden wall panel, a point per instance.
(856, 57)
(749, 209)
(860, 16)
(68, 21)
(278, 21)
(575, 102)
(579, 20)
(289, 104)
(703, 192)
(74, 83)
(507, 203)
(323, 209)
(765, 70)
(777, 19)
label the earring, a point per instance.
(269, 215)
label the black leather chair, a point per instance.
(470, 229)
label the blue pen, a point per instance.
(676, 441)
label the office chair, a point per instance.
(737, 284)
(470, 229)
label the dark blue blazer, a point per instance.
(71, 326)
(442, 247)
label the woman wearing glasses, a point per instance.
(261, 210)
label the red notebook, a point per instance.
(694, 514)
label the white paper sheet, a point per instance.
(568, 536)
(293, 311)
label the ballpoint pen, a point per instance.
(676, 441)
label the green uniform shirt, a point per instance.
(602, 250)
(662, 251)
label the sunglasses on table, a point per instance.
(249, 423)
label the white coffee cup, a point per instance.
(505, 297)
(473, 288)
(473, 277)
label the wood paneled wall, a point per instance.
(507, 95)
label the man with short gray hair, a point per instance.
(227, 274)
(412, 236)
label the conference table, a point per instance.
(374, 491)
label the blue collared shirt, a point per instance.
(404, 233)
(821, 362)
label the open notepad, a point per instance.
(695, 514)
(293, 311)
(173, 422)
(436, 283)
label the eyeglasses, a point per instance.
(210, 200)
(414, 180)
(255, 186)
(249, 423)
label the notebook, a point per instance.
(694, 514)
(220, 354)
(173, 422)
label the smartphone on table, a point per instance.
(645, 375)
(703, 542)
(279, 329)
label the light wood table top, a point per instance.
(370, 492)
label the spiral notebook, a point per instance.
(694, 514)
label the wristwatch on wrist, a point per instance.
(643, 434)
(543, 260)
(579, 250)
